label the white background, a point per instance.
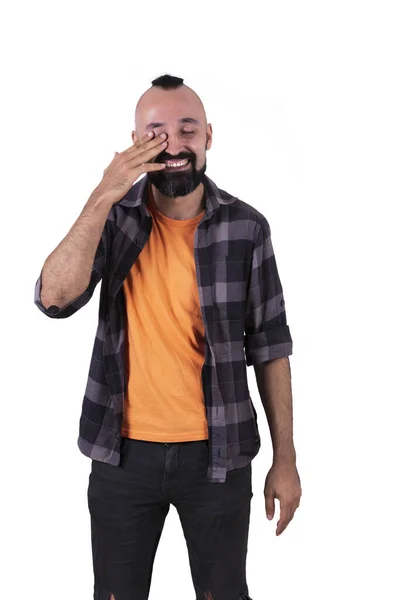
(304, 101)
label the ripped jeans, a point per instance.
(128, 505)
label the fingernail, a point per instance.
(269, 517)
(150, 133)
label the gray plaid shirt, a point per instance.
(243, 313)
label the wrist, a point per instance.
(100, 198)
(98, 206)
(287, 456)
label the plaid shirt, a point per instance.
(244, 318)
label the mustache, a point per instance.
(164, 157)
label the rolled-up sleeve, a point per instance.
(72, 307)
(267, 335)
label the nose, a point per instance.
(175, 145)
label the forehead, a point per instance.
(169, 107)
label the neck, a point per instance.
(182, 207)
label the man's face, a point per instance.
(180, 114)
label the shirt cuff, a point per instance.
(268, 345)
(52, 311)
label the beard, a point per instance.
(178, 184)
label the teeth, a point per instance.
(182, 163)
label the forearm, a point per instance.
(274, 385)
(67, 270)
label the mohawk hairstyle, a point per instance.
(167, 82)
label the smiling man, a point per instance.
(179, 112)
(190, 296)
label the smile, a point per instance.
(176, 164)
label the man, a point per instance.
(190, 294)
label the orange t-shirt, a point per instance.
(165, 337)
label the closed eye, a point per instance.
(187, 132)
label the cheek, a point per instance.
(200, 153)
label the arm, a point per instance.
(72, 271)
(274, 385)
(268, 344)
(282, 481)
(267, 335)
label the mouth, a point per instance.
(176, 165)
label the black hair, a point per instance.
(167, 82)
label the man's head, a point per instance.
(171, 107)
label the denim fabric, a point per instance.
(128, 505)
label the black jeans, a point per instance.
(128, 505)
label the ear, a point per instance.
(209, 136)
(135, 137)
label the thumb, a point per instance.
(269, 505)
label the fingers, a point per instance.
(145, 151)
(147, 155)
(269, 504)
(146, 167)
(287, 514)
(146, 144)
(282, 483)
(137, 156)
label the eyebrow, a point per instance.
(184, 120)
